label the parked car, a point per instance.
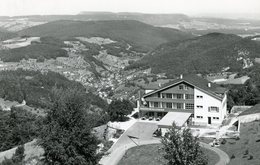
(158, 118)
(151, 118)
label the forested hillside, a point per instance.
(4, 35)
(141, 36)
(35, 87)
(210, 53)
(47, 48)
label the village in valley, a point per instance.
(129, 89)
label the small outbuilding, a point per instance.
(250, 115)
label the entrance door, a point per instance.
(209, 120)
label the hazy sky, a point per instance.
(236, 8)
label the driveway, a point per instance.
(141, 130)
(144, 133)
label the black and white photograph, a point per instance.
(129, 82)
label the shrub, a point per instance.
(223, 141)
(250, 157)
(17, 158)
(246, 152)
(237, 138)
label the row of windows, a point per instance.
(177, 96)
(183, 87)
(172, 96)
(201, 117)
(171, 105)
(210, 109)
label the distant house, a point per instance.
(250, 114)
(189, 99)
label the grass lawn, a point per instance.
(152, 155)
(246, 150)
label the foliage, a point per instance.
(248, 93)
(35, 87)
(35, 50)
(203, 54)
(4, 35)
(181, 148)
(18, 127)
(142, 37)
(118, 109)
(17, 158)
(66, 137)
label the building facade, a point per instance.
(205, 101)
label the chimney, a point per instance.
(160, 85)
(181, 76)
(209, 84)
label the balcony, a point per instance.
(157, 109)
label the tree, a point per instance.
(67, 137)
(181, 148)
(17, 158)
(18, 126)
(118, 109)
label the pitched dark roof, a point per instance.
(252, 110)
(195, 81)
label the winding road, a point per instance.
(144, 133)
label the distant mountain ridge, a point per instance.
(209, 53)
(140, 35)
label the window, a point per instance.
(216, 118)
(199, 106)
(168, 105)
(189, 106)
(179, 96)
(213, 109)
(169, 95)
(186, 87)
(181, 87)
(163, 95)
(199, 117)
(189, 96)
(156, 104)
(179, 105)
(199, 97)
(174, 96)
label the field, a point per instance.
(246, 150)
(152, 155)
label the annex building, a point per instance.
(188, 100)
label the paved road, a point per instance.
(224, 158)
(144, 132)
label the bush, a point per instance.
(246, 152)
(250, 157)
(118, 109)
(223, 141)
(118, 133)
(17, 158)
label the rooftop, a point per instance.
(252, 110)
(195, 81)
